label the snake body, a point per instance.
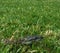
(30, 39)
(25, 40)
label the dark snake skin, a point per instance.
(25, 40)
(30, 39)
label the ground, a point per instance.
(20, 18)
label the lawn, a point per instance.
(21, 18)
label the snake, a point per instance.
(24, 40)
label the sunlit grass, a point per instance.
(20, 18)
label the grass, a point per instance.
(21, 18)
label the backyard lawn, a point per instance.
(22, 18)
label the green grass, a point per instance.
(21, 18)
